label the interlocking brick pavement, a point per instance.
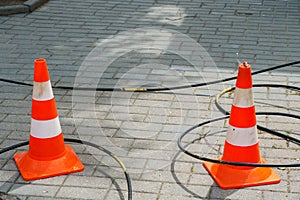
(142, 128)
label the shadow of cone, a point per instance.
(241, 143)
(48, 155)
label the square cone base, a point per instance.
(232, 177)
(32, 169)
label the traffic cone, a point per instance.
(48, 155)
(241, 143)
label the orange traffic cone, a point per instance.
(241, 143)
(47, 155)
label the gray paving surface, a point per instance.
(147, 43)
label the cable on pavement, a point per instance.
(276, 133)
(145, 89)
(72, 140)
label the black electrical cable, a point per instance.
(203, 158)
(284, 136)
(72, 140)
(225, 79)
(218, 96)
(144, 89)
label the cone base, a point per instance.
(231, 177)
(32, 169)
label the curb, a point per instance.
(26, 7)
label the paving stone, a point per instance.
(181, 190)
(34, 190)
(91, 182)
(83, 193)
(271, 194)
(217, 193)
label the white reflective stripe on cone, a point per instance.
(42, 91)
(242, 136)
(243, 98)
(45, 128)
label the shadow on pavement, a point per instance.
(213, 193)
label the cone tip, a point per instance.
(40, 70)
(40, 60)
(245, 65)
(244, 79)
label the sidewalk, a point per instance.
(147, 43)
